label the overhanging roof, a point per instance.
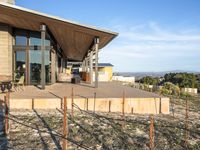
(75, 39)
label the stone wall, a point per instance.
(5, 51)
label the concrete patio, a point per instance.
(105, 90)
(136, 101)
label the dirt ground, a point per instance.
(42, 129)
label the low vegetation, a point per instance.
(171, 83)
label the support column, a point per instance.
(43, 35)
(86, 64)
(96, 45)
(91, 67)
(83, 66)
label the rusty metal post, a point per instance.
(72, 104)
(151, 134)
(94, 107)
(87, 104)
(123, 114)
(186, 123)
(65, 123)
(132, 110)
(50, 147)
(33, 103)
(109, 110)
(173, 106)
(6, 98)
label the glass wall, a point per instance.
(20, 38)
(35, 39)
(35, 63)
(30, 54)
(20, 65)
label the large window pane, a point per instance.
(20, 40)
(35, 39)
(47, 67)
(20, 64)
(35, 62)
(35, 66)
(20, 37)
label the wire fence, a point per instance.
(152, 126)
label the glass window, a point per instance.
(20, 40)
(20, 37)
(20, 64)
(35, 39)
(35, 62)
(47, 42)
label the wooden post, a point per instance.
(72, 104)
(151, 134)
(95, 95)
(65, 124)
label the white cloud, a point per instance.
(147, 42)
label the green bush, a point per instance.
(185, 95)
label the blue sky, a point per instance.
(154, 35)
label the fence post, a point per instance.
(151, 134)
(6, 98)
(87, 104)
(173, 106)
(65, 123)
(72, 104)
(186, 123)
(123, 115)
(109, 110)
(33, 103)
(95, 95)
(131, 110)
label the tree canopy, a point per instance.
(182, 80)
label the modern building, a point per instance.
(190, 90)
(124, 79)
(105, 71)
(38, 46)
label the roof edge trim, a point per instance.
(57, 18)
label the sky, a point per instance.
(154, 35)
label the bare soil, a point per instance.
(42, 129)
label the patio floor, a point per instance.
(59, 90)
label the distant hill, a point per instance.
(139, 75)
